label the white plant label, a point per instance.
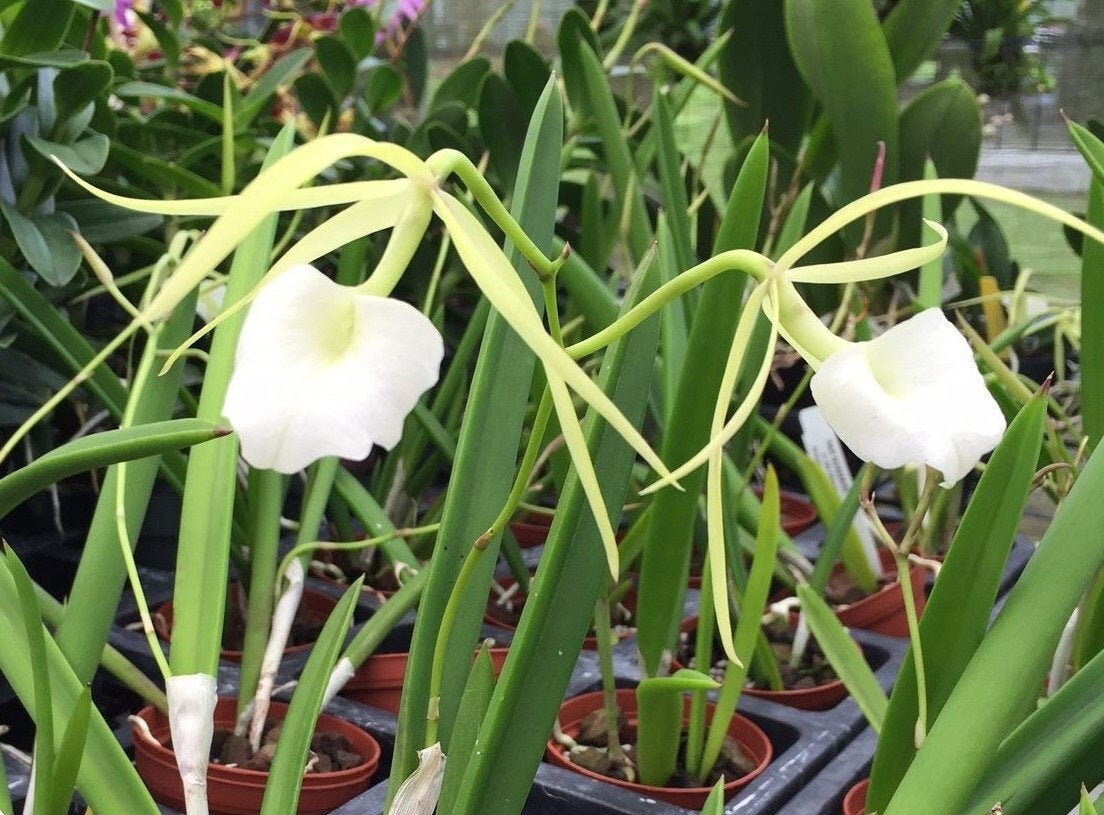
(823, 446)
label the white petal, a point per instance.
(323, 370)
(913, 394)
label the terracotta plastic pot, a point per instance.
(531, 530)
(854, 803)
(495, 616)
(797, 512)
(314, 604)
(236, 791)
(819, 697)
(379, 680)
(750, 737)
(884, 611)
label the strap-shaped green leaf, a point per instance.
(846, 660)
(473, 707)
(957, 613)
(914, 29)
(100, 450)
(980, 713)
(70, 754)
(659, 722)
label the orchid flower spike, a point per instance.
(326, 370)
(913, 394)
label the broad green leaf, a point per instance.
(315, 97)
(39, 25)
(100, 222)
(756, 66)
(1024, 635)
(161, 175)
(100, 450)
(382, 88)
(1090, 147)
(502, 124)
(846, 660)
(337, 63)
(840, 50)
(527, 71)
(77, 87)
(462, 85)
(86, 156)
(358, 31)
(282, 790)
(573, 35)
(63, 58)
(45, 243)
(942, 123)
(914, 29)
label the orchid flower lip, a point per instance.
(322, 369)
(913, 394)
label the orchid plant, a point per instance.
(288, 340)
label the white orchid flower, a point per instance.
(912, 394)
(326, 370)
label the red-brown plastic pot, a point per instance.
(379, 680)
(236, 791)
(819, 697)
(495, 616)
(884, 611)
(749, 735)
(854, 803)
(797, 512)
(315, 605)
(531, 530)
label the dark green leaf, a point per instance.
(757, 67)
(502, 123)
(161, 175)
(943, 123)
(914, 29)
(76, 88)
(40, 25)
(358, 30)
(337, 63)
(64, 58)
(527, 71)
(1092, 313)
(315, 97)
(573, 35)
(166, 39)
(382, 88)
(139, 90)
(840, 50)
(45, 243)
(101, 222)
(462, 85)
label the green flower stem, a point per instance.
(625, 35)
(448, 162)
(603, 633)
(266, 498)
(467, 569)
(900, 556)
(736, 260)
(301, 549)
